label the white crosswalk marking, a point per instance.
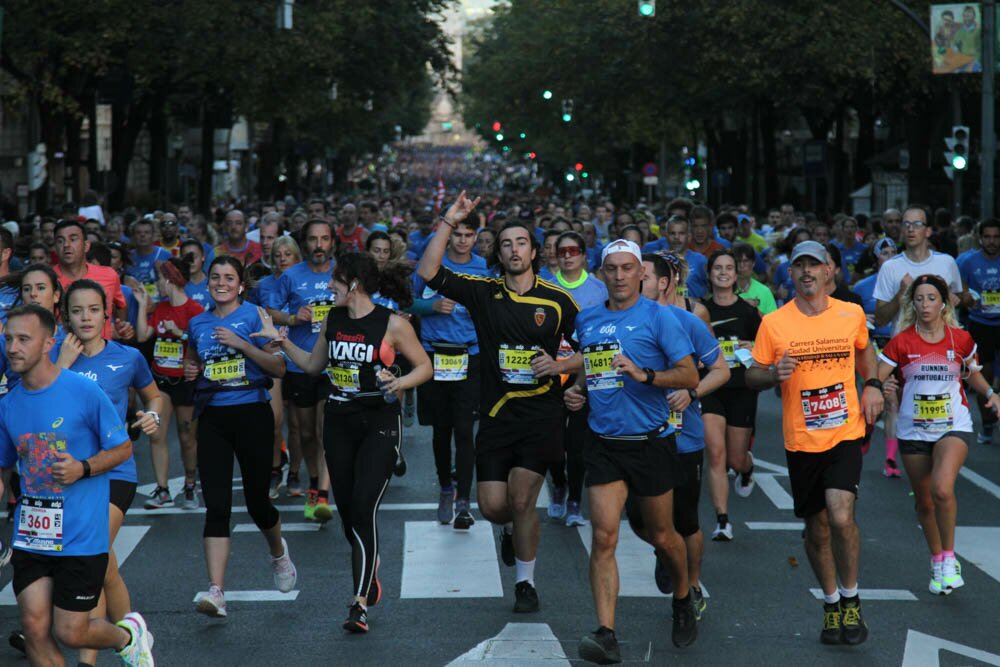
(875, 594)
(517, 644)
(441, 562)
(775, 525)
(767, 483)
(285, 528)
(978, 545)
(254, 596)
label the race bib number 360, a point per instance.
(515, 365)
(597, 367)
(825, 407)
(40, 524)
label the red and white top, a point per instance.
(933, 400)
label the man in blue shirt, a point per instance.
(981, 274)
(301, 299)
(422, 236)
(632, 349)
(64, 434)
(146, 256)
(676, 241)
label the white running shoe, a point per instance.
(212, 603)
(937, 586)
(951, 574)
(139, 651)
(723, 533)
(285, 574)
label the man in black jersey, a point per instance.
(519, 321)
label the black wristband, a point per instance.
(86, 467)
(445, 221)
(874, 382)
(650, 375)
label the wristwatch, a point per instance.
(156, 416)
(650, 375)
(86, 467)
(874, 382)
(693, 393)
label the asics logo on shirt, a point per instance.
(57, 423)
(114, 368)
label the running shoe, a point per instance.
(557, 507)
(446, 505)
(853, 631)
(986, 437)
(16, 641)
(698, 600)
(322, 512)
(951, 574)
(284, 571)
(937, 586)
(375, 590)
(506, 548)
(357, 619)
(661, 574)
(158, 499)
(830, 634)
(463, 516)
(685, 627)
(723, 533)
(187, 499)
(309, 509)
(400, 468)
(600, 646)
(139, 651)
(891, 469)
(744, 484)
(293, 487)
(212, 603)
(574, 517)
(275, 489)
(525, 598)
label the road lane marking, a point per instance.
(517, 644)
(636, 563)
(774, 491)
(254, 596)
(980, 481)
(285, 528)
(884, 594)
(431, 552)
(924, 651)
(775, 525)
(978, 545)
(770, 467)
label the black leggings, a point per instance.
(571, 476)
(361, 450)
(248, 432)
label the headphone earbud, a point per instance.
(354, 285)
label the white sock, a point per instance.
(833, 598)
(524, 571)
(849, 592)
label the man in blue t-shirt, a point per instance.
(145, 256)
(675, 240)
(981, 274)
(64, 434)
(301, 299)
(632, 350)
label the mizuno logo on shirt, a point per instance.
(114, 367)
(237, 325)
(631, 327)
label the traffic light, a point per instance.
(499, 136)
(647, 8)
(547, 94)
(37, 167)
(497, 126)
(578, 166)
(567, 110)
(958, 146)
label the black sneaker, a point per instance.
(831, 624)
(357, 619)
(698, 600)
(600, 646)
(506, 548)
(16, 640)
(525, 598)
(853, 630)
(463, 517)
(685, 629)
(662, 576)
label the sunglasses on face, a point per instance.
(914, 224)
(569, 251)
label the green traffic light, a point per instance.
(647, 7)
(959, 162)
(547, 95)
(585, 175)
(524, 136)
(567, 117)
(499, 136)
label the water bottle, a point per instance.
(388, 395)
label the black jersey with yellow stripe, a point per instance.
(511, 329)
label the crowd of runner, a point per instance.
(617, 350)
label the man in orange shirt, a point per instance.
(702, 222)
(237, 244)
(72, 247)
(813, 347)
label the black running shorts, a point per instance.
(77, 580)
(812, 473)
(502, 445)
(649, 467)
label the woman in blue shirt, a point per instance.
(234, 420)
(116, 369)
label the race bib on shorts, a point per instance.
(230, 371)
(515, 365)
(40, 524)
(676, 420)
(932, 412)
(597, 367)
(346, 378)
(320, 310)
(825, 407)
(451, 367)
(168, 353)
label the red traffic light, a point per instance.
(497, 126)
(532, 155)
(578, 166)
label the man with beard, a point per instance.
(520, 320)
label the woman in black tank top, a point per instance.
(357, 348)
